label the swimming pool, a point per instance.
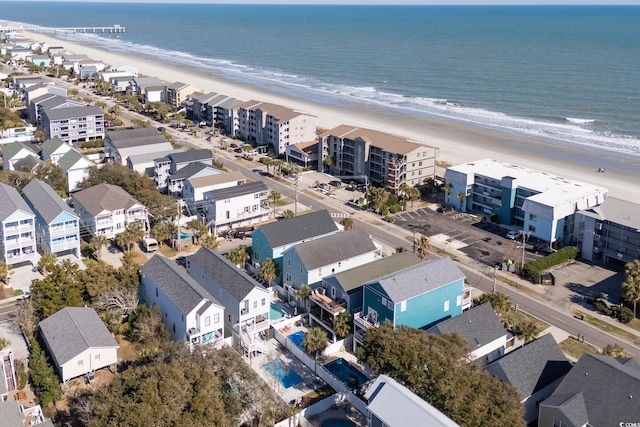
(283, 373)
(297, 338)
(338, 423)
(276, 312)
(346, 373)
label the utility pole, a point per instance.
(178, 233)
(495, 269)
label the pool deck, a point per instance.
(310, 381)
(341, 411)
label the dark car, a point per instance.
(445, 209)
(543, 249)
(160, 129)
(335, 183)
(238, 150)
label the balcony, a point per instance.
(362, 320)
(327, 304)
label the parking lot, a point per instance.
(481, 240)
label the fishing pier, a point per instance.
(114, 29)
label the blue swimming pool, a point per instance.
(276, 312)
(283, 373)
(346, 373)
(297, 338)
(338, 423)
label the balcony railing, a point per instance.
(332, 306)
(364, 321)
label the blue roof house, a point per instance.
(271, 240)
(57, 225)
(417, 296)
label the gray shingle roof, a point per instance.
(72, 112)
(191, 156)
(229, 277)
(10, 201)
(71, 158)
(179, 287)
(419, 279)
(147, 156)
(73, 330)
(531, 367)
(479, 326)
(191, 169)
(237, 190)
(51, 145)
(331, 249)
(397, 406)
(27, 163)
(45, 201)
(617, 211)
(104, 197)
(299, 228)
(134, 137)
(608, 386)
(355, 277)
(10, 414)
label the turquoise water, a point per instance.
(562, 72)
(283, 373)
(338, 423)
(297, 338)
(346, 373)
(275, 312)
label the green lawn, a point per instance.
(576, 348)
(612, 329)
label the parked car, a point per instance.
(512, 234)
(445, 209)
(542, 248)
(336, 183)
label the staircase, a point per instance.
(248, 343)
(8, 373)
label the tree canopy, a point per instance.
(436, 369)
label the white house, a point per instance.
(106, 209)
(194, 189)
(246, 303)
(188, 311)
(235, 206)
(78, 342)
(121, 144)
(482, 329)
(17, 228)
(53, 149)
(13, 153)
(75, 167)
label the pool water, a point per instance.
(346, 373)
(283, 373)
(275, 312)
(297, 338)
(338, 423)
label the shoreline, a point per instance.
(457, 142)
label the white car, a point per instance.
(512, 234)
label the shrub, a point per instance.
(389, 219)
(599, 305)
(533, 269)
(624, 314)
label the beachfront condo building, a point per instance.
(378, 158)
(214, 109)
(177, 93)
(609, 232)
(261, 123)
(540, 204)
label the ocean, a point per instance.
(566, 73)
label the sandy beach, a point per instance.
(457, 142)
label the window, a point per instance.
(264, 302)
(255, 304)
(256, 256)
(289, 262)
(403, 306)
(383, 301)
(300, 270)
(459, 301)
(390, 305)
(558, 423)
(174, 328)
(207, 321)
(257, 242)
(532, 228)
(288, 277)
(216, 318)
(156, 292)
(96, 357)
(446, 305)
(533, 217)
(80, 363)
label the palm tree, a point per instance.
(198, 228)
(4, 343)
(423, 246)
(136, 232)
(123, 240)
(269, 270)
(527, 330)
(116, 111)
(461, 196)
(347, 223)
(378, 196)
(210, 242)
(447, 189)
(6, 270)
(237, 256)
(288, 213)
(302, 294)
(413, 194)
(328, 162)
(315, 341)
(614, 350)
(46, 262)
(163, 231)
(275, 196)
(98, 242)
(631, 285)
(342, 323)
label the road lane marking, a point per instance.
(558, 319)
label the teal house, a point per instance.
(417, 296)
(271, 240)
